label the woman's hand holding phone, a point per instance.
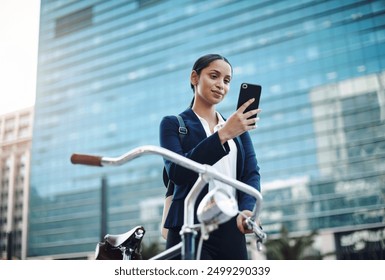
(239, 122)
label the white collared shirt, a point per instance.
(226, 165)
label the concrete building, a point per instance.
(15, 150)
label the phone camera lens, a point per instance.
(244, 86)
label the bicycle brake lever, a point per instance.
(257, 229)
(259, 245)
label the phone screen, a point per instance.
(248, 91)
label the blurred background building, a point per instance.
(15, 150)
(110, 70)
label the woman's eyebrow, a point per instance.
(216, 71)
(219, 72)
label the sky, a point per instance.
(19, 31)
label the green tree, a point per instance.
(298, 248)
(148, 251)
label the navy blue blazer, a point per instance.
(205, 150)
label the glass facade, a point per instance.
(110, 70)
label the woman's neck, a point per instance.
(207, 113)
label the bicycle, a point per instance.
(217, 207)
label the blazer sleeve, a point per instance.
(250, 174)
(204, 150)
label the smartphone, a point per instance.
(247, 92)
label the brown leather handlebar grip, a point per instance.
(86, 160)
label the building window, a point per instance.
(145, 3)
(73, 22)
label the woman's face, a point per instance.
(213, 83)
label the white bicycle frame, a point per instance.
(206, 173)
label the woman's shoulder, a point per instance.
(173, 118)
(168, 119)
(169, 122)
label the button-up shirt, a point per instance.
(226, 165)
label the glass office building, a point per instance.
(110, 70)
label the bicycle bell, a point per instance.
(217, 207)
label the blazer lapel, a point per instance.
(194, 124)
(240, 156)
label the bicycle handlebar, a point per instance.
(86, 159)
(206, 173)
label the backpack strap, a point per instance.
(182, 130)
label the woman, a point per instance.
(226, 145)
